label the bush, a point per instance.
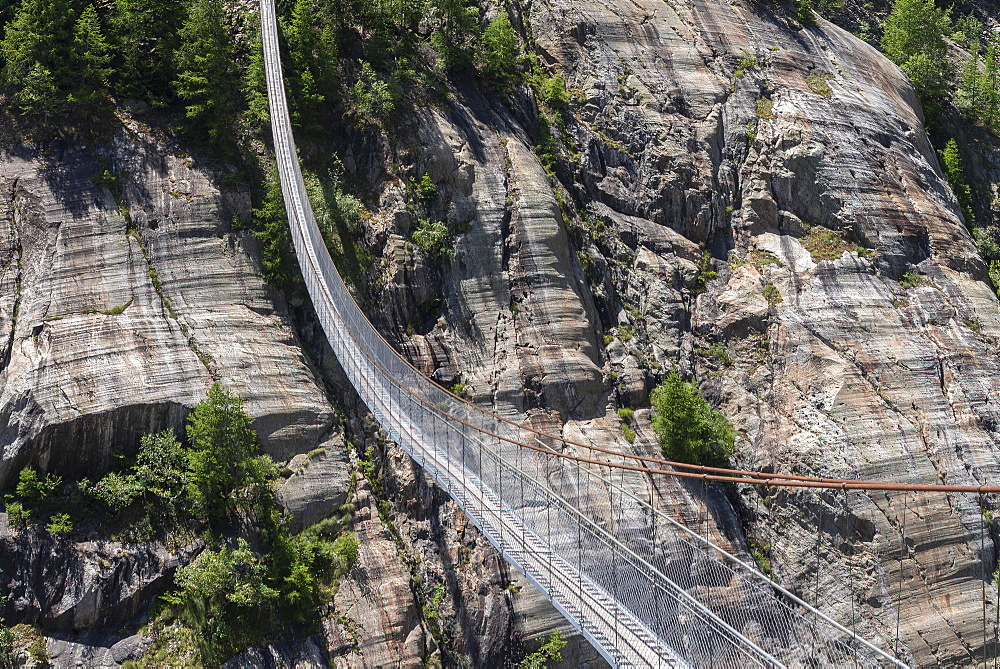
(35, 491)
(550, 652)
(689, 429)
(501, 51)
(60, 524)
(17, 516)
(432, 237)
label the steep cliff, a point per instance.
(837, 309)
(728, 192)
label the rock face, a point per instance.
(777, 227)
(837, 310)
(63, 585)
(119, 314)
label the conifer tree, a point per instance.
(144, 33)
(206, 76)
(37, 56)
(90, 61)
(979, 87)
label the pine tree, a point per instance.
(311, 38)
(206, 76)
(144, 33)
(37, 56)
(271, 222)
(951, 160)
(90, 61)
(914, 40)
(979, 87)
(457, 34)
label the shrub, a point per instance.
(35, 491)
(746, 61)
(431, 237)
(551, 89)
(18, 517)
(8, 638)
(60, 524)
(628, 433)
(688, 428)
(345, 551)
(626, 414)
(910, 280)
(772, 294)
(549, 653)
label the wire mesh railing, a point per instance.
(644, 589)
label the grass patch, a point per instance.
(114, 311)
(628, 433)
(765, 108)
(772, 294)
(825, 244)
(819, 83)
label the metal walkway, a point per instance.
(643, 589)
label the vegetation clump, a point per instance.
(254, 576)
(765, 108)
(550, 653)
(825, 244)
(432, 237)
(819, 83)
(688, 428)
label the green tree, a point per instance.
(501, 51)
(206, 75)
(689, 429)
(225, 477)
(914, 40)
(951, 160)
(311, 37)
(37, 57)
(455, 36)
(979, 87)
(90, 61)
(255, 86)
(271, 223)
(144, 33)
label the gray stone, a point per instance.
(318, 486)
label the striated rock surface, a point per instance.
(836, 310)
(119, 314)
(63, 585)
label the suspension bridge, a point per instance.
(645, 590)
